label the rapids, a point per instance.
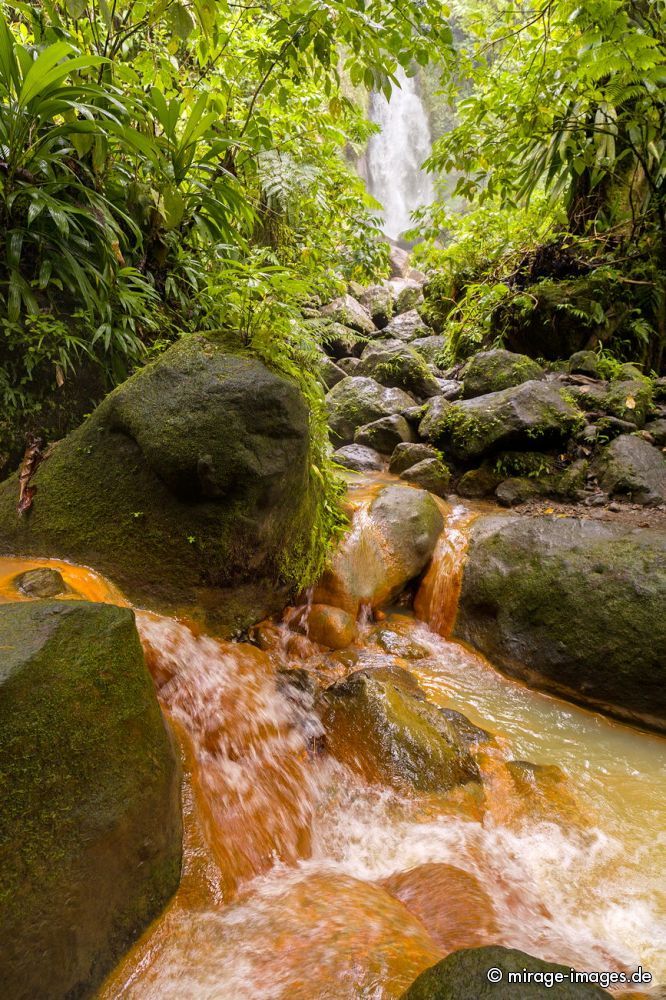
(301, 880)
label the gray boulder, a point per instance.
(330, 373)
(396, 364)
(407, 326)
(356, 401)
(657, 431)
(491, 371)
(431, 348)
(358, 458)
(408, 454)
(350, 313)
(384, 434)
(430, 474)
(631, 466)
(572, 606)
(378, 301)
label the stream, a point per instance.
(301, 879)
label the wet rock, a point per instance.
(657, 431)
(491, 371)
(407, 326)
(542, 793)
(629, 400)
(357, 401)
(384, 434)
(434, 423)
(377, 727)
(430, 474)
(378, 301)
(573, 606)
(330, 626)
(358, 458)
(42, 583)
(463, 975)
(584, 363)
(91, 824)
(478, 483)
(518, 416)
(631, 466)
(431, 348)
(414, 415)
(407, 454)
(371, 567)
(350, 313)
(451, 903)
(397, 365)
(188, 486)
(514, 491)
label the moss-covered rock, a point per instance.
(90, 822)
(359, 400)
(189, 485)
(408, 454)
(519, 416)
(463, 975)
(350, 313)
(478, 483)
(378, 727)
(572, 606)
(396, 365)
(407, 326)
(372, 567)
(384, 434)
(633, 467)
(431, 348)
(490, 371)
(42, 583)
(378, 300)
(430, 474)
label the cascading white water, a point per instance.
(395, 156)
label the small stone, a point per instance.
(40, 583)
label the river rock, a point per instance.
(657, 431)
(350, 313)
(584, 363)
(631, 466)
(378, 727)
(373, 565)
(42, 583)
(378, 300)
(330, 626)
(463, 975)
(189, 486)
(357, 401)
(514, 417)
(491, 371)
(516, 490)
(408, 454)
(397, 365)
(431, 348)
(629, 400)
(407, 326)
(89, 779)
(384, 434)
(430, 474)
(358, 458)
(479, 483)
(571, 606)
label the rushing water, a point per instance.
(302, 880)
(395, 155)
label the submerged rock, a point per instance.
(91, 825)
(189, 485)
(571, 606)
(463, 975)
(632, 466)
(374, 563)
(42, 582)
(357, 401)
(378, 727)
(491, 371)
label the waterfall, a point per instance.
(394, 173)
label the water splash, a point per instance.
(395, 156)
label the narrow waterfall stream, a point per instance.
(395, 155)
(304, 880)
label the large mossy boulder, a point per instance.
(515, 417)
(377, 726)
(571, 606)
(633, 467)
(350, 313)
(490, 371)
(189, 485)
(372, 566)
(358, 400)
(396, 365)
(407, 326)
(463, 975)
(90, 826)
